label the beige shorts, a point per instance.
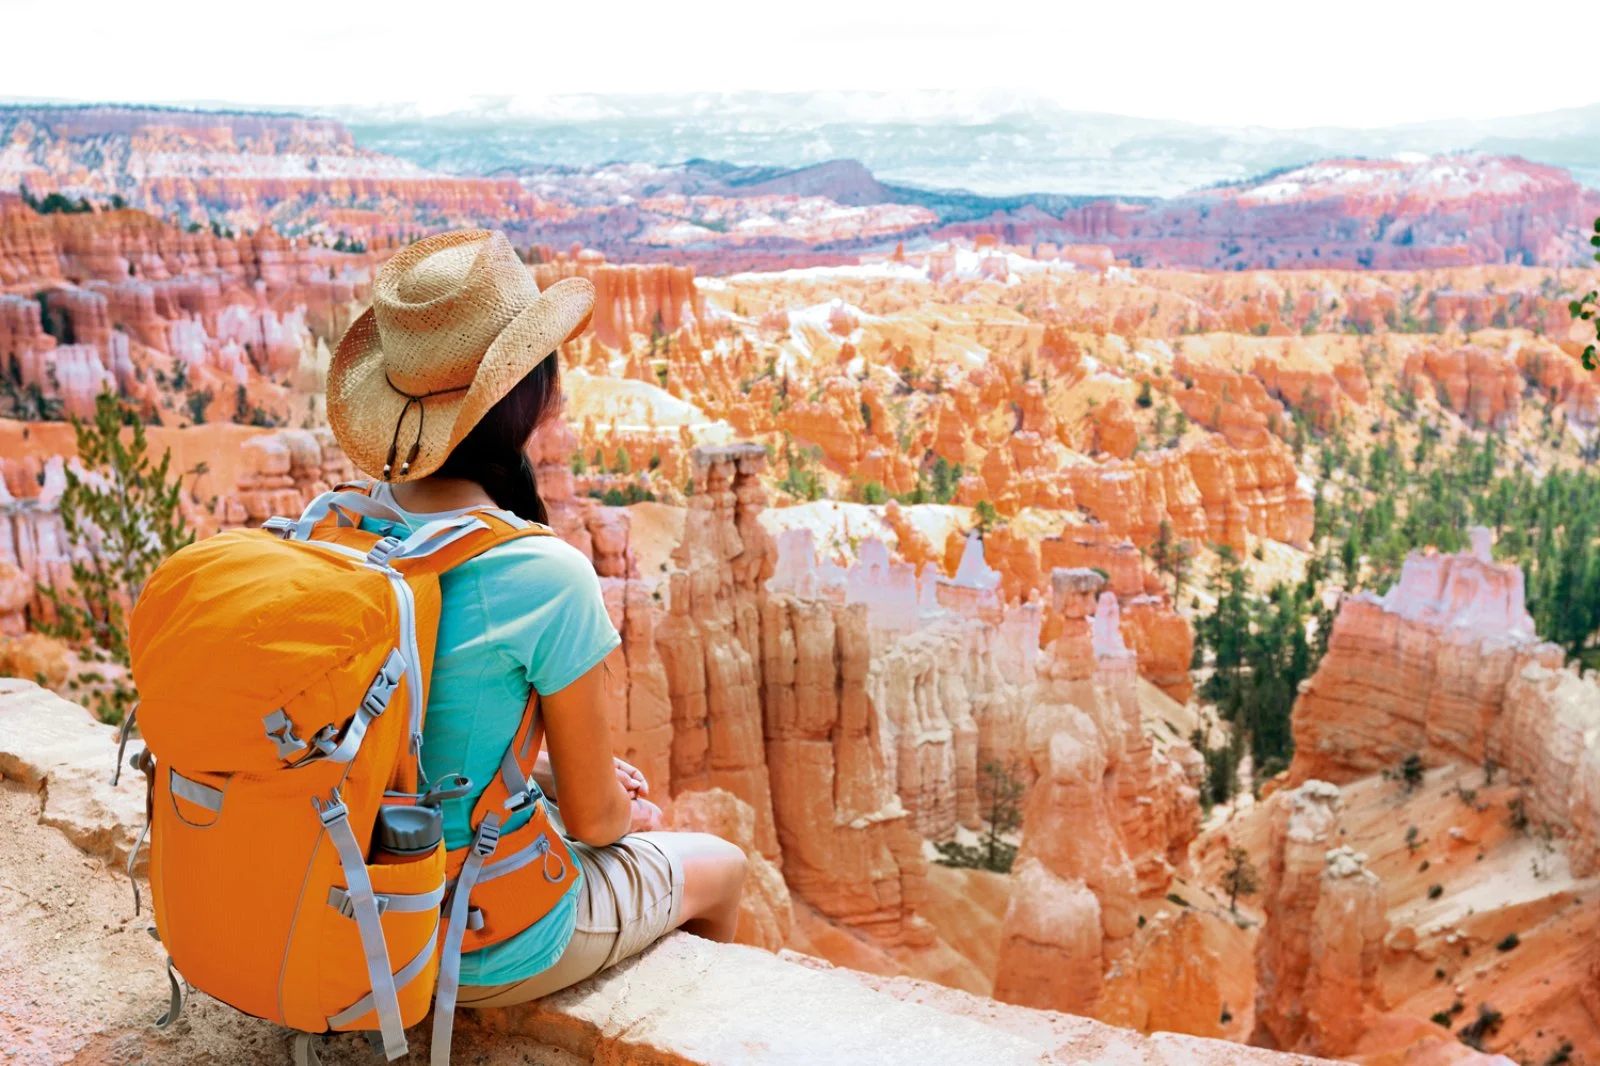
(631, 894)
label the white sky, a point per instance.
(1280, 63)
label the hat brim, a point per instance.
(369, 416)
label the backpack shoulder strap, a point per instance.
(436, 547)
(513, 786)
(479, 531)
(344, 505)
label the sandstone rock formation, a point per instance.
(81, 978)
(1103, 823)
(1423, 671)
(710, 642)
(1483, 387)
(847, 847)
(1388, 214)
(766, 911)
(1317, 960)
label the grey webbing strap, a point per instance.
(409, 903)
(362, 506)
(385, 1000)
(405, 976)
(133, 858)
(373, 704)
(193, 791)
(175, 1003)
(315, 512)
(436, 535)
(304, 1049)
(355, 502)
(484, 841)
(122, 743)
(519, 790)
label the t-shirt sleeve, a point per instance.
(546, 605)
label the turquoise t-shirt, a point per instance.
(526, 614)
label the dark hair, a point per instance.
(494, 453)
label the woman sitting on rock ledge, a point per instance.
(436, 392)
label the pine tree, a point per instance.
(986, 517)
(120, 521)
(1006, 791)
(1240, 879)
(1171, 556)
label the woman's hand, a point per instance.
(631, 780)
(645, 816)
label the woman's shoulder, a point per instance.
(543, 559)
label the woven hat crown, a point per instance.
(456, 322)
(440, 303)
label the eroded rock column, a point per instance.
(710, 640)
(848, 847)
(1318, 956)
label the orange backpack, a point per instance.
(282, 675)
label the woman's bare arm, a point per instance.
(543, 776)
(594, 806)
(628, 776)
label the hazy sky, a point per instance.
(1278, 63)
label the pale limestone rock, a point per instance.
(59, 750)
(1050, 953)
(80, 981)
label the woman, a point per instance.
(436, 391)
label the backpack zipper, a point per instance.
(407, 603)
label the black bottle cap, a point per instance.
(408, 830)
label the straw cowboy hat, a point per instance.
(456, 322)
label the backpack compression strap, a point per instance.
(512, 789)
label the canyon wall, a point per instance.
(684, 1001)
(1318, 956)
(1446, 666)
(1381, 213)
(1105, 821)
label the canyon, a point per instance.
(887, 534)
(306, 176)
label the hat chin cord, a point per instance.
(422, 413)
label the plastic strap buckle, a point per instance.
(487, 837)
(380, 553)
(333, 811)
(340, 901)
(381, 691)
(280, 525)
(521, 799)
(280, 730)
(325, 740)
